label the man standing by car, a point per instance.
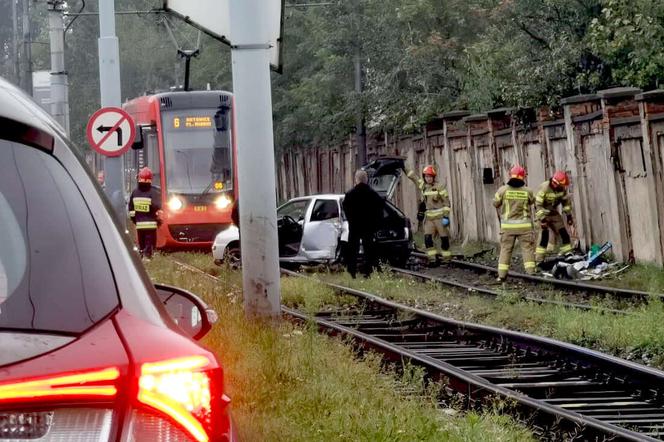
(364, 211)
(144, 211)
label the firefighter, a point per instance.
(145, 213)
(550, 194)
(513, 203)
(436, 204)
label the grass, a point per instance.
(638, 337)
(644, 277)
(291, 383)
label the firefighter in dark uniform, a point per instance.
(145, 212)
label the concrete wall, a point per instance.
(611, 144)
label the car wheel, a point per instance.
(399, 261)
(233, 256)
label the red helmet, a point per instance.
(560, 179)
(145, 175)
(429, 170)
(518, 172)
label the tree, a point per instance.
(629, 36)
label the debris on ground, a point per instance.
(583, 267)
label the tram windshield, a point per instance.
(198, 151)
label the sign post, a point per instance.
(258, 197)
(109, 85)
(253, 29)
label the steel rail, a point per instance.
(494, 293)
(582, 388)
(611, 390)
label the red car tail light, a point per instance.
(84, 385)
(188, 391)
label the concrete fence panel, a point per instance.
(611, 144)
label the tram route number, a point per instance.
(200, 208)
(192, 122)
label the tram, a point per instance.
(187, 140)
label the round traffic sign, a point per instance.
(111, 131)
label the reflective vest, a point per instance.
(143, 207)
(434, 196)
(514, 204)
(547, 200)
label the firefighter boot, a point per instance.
(430, 250)
(446, 254)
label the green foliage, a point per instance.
(629, 35)
(419, 58)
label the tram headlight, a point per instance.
(222, 202)
(175, 204)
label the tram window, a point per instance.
(151, 155)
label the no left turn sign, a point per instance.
(111, 131)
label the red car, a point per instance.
(90, 350)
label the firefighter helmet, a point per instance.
(560, 179)
(429, 170)
(518, 172)
(145, 175)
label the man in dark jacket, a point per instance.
(364, 211)
(145, 211)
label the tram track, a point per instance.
(556, 387)
(479, 279)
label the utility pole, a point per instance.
(360, 127)
(16, 71)
(109, 85)
(26, 77)
(255, 157)
(59, 81)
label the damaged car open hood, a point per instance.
(384, 174)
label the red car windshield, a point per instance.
(54, 274)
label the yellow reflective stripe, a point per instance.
(140, 199)
(566, 248)
(503, 266)
(529, 264)
(567, 209)
(431, 252)
(540, 250)
(146, 225)
(539, 199)
(446, 253)
(132, 213)
(516, 195)
(436, 213)
(514, 226)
